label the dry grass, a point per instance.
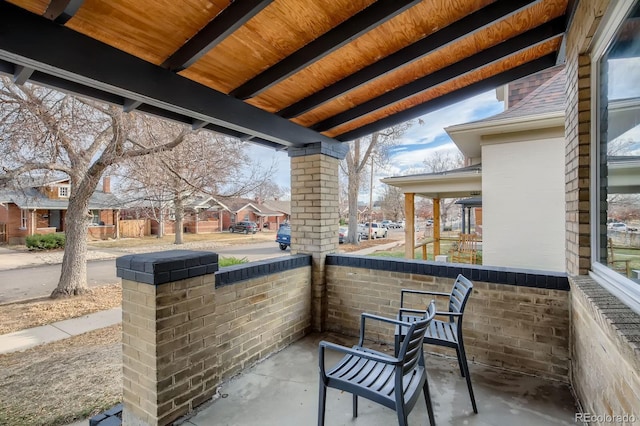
(220, 237)
(18, 316)
(348, 248)
(62, 382)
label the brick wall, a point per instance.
(510, 326)
(183, 336)
(605, 348)
(259, 316)
(15, 235)
(578, 134)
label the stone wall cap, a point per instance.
(165, 266)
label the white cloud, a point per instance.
(471, 109)
(415, 145)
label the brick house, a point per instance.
(40, 208)
(199, 216)
(267, 214)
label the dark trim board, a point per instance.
(487, 274)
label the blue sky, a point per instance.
(415, 145)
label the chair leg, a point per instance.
(468, 378)
(355, 405)
(459, 361)
(402, 414)
(427, 398)
(396, 344)
(321, 403)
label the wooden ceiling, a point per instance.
(281, 72)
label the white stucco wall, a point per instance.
(523, 203)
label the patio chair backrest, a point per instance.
(460, 294)
(411, 349)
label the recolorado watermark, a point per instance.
(605, 418)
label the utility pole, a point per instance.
(371, 198)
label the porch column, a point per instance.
(169, 356)
(315, 214)
(436, 227)
(410, 226)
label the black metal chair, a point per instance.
(394, 382)
(443, 333)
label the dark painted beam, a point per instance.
(452, 97)
(48, 80)
(359, 24)
(229, 20)
(60, 11)
(510, 47)
(32, 41)
(459, 29)
(21, 75)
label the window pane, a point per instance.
(620, 150)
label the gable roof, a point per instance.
(543, 108)
(32, 198)
(546, 99)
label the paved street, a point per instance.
(39, 281)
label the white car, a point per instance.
(621, 227)
(377, 230)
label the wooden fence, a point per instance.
(135, 228)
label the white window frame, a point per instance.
(620, 286)
(24, 218)
(64, 188)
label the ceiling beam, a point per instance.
(359, 24)
(452, 97)
(32, 41)
(60, 11)
(220, 27)
(509, 47)
(459, 29)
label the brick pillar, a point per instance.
(578, 134)
(315, 214)
(168, 333)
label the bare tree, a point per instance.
(270, 190)
(393, 203)
(43, 130)
(374, 147)
(441, 161)
(204, 164)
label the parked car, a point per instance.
(343, 234)
(621, 227)
(429, 222)
(377, 230)
(283, 237)
(244, 226)
(389, 224)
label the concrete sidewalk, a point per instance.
(25, 339)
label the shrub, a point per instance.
(45, 242)
(229, 261)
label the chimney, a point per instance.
(106, 184)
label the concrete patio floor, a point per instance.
(283, 390)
